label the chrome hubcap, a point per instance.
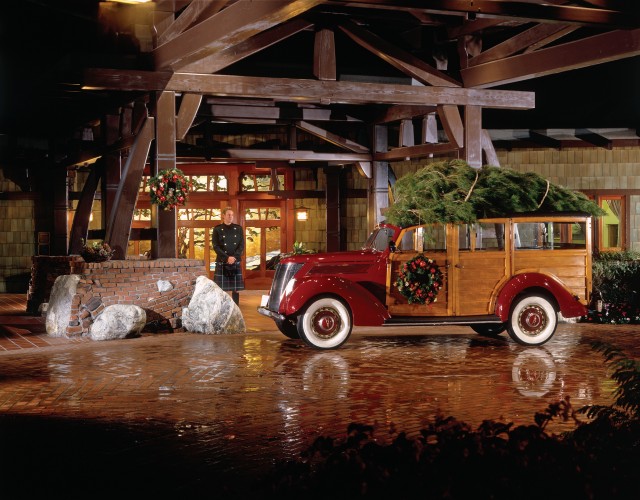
(532, 320)
(326, 322)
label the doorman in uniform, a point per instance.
(228, 243)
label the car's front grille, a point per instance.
(284, 272)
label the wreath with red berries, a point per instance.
(170, 188)
(419, 280)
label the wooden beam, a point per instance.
(298, 155)
(249, 112)
(231, 26)
(189, 107)
(544, 140)
(81, 218)
(396, 57)
(590, 51)
(190, 15)
(452, 124)
(296, 90)
(332, 138)
(491, 157)
(473, 136)
(301, 90)
(519, 42)
(324, 55)
(234, 53)
(397, 113)
(421, 150)
(593, 138)
(525, 11)
(119, 222)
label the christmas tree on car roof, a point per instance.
(452, 191)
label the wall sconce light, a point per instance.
(302, 214)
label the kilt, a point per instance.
(233, 284)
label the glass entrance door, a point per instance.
(264, 237)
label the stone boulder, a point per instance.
(59, 306)
(118, 321)
(212, 311)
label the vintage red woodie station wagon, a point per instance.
(514, 273)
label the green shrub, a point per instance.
(616, 287)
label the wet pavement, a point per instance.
(189, 413)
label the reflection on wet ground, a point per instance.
(186, 412)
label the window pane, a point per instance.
(252, 247)
(464, 237)
(273, 246)
(611, 225)
(489, 236)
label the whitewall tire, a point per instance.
(533, 320)
(325, 323)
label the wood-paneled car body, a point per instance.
(513, 273)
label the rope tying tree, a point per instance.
(452, 191)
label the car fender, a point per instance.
(366, 309)
(569, 303)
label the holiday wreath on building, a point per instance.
(170, 188)
(453, 192)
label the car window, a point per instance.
(489, 236)
(550, 235)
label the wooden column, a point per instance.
(80, 226)
(473, 135)
(324, 55)
(166, 220)
(112, 166)
(58, 184)
(380, 198)
(333, 208)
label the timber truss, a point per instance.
(337, 82)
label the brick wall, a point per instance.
(118, 282)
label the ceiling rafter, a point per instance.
(597, 49)
(529, 11)
(234, 53)
(299, 90)
(519, 42)
(231, 26)
(398, 58)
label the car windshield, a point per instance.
(379, 239)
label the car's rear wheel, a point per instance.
(533, 320)
(288, 327)
(325, 323)
(489, 329)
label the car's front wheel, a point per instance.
(288, 327)
(325, 323)
(533, 320)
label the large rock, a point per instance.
(59, 308)
(212, 311)
(118, 322)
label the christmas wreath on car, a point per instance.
(170, 188)
(419, 280)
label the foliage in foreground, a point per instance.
(449, 459)
(452, 191)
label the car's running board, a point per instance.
(457, 320)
